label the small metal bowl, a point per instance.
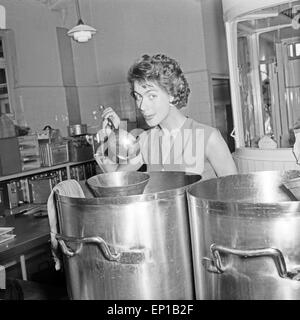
(121, 183)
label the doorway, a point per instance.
(223, 110)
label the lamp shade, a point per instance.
(81, 32)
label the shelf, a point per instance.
(43, 169)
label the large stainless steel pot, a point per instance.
(129, 247)
(245, 237)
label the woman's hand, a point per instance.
(110, 116)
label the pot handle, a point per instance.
(215, 264)
(133, 256)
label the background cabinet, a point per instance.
(26, 190)
(28, 256)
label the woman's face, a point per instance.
(153, 102)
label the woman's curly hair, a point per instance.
(165, 72)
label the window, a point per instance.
(293, 50)
(290, 51)
(297, 49)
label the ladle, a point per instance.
(120, 143)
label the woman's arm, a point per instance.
(219, 156)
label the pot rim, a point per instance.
(242, 208)
(123, 200)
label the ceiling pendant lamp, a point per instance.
(81, 32)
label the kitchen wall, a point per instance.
(129, 28)
(38, 87)
(188, 30)
(214, 37)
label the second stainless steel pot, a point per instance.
(245, 237)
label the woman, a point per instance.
(174, 142)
